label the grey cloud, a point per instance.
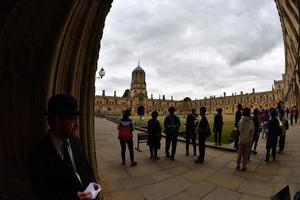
(210, 46)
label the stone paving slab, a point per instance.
(124, 195)
(111, 186)
(255, 188)
(249, 197)
(181, 196)
(166, 188)
(222, 193)
(198, 174)
(201, 189)
(225, 180)
(216, 178)
(135, 182)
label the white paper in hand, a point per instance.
(91, 188)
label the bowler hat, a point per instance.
(62, 104)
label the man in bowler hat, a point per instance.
(59, 168)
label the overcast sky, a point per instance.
(192, 48)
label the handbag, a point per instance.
(208, 132)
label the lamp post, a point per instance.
(101, 73)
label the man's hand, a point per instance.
(84, 195)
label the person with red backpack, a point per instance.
(126, 127)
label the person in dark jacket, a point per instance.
(203, 130)
(190, 133)
(256, 130)
(172, 124)
(238, 116)
(272, 135)
(127, 122)
(154, 135)
(218, 126)
(58, 166)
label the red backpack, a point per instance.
(124, 132)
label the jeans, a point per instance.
(123, 150)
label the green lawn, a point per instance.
(227, 129)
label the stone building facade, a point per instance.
(289, 18)
(138, 98)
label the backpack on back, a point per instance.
(125, 132)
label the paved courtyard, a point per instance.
(182, 179)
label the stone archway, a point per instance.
(50, 47)
(47, 47)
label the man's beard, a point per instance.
(75, 133)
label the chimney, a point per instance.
(164, 97)
(241, 92)
(253, 90)
(151, 96)
(159, 97)
(171, 98)
(224, 94)
(115, 93)
(103, 93)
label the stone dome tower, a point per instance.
(138, 82)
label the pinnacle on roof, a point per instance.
(138, 68)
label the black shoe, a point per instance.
(133, 164)
(195, 154)
(156, 158)
(244, 169)
(238, 167)
(220, 144)
(198, 161)
(168, 155)
(266, 160)
(172, 158)
(254, 152)
(123, 162)
(187, 154)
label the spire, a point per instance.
(138, 68)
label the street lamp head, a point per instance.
(101, 73)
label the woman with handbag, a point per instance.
(203, 132)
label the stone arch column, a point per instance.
(47, 47)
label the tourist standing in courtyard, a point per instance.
(190, 133)
(246, 128)
(257, 130)
(154, 135)
(284, 127)
(218, 126)
(172, 124)
(203, 131)
(238, 116)
(126, 128)
(264, 120)
(272, 135)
